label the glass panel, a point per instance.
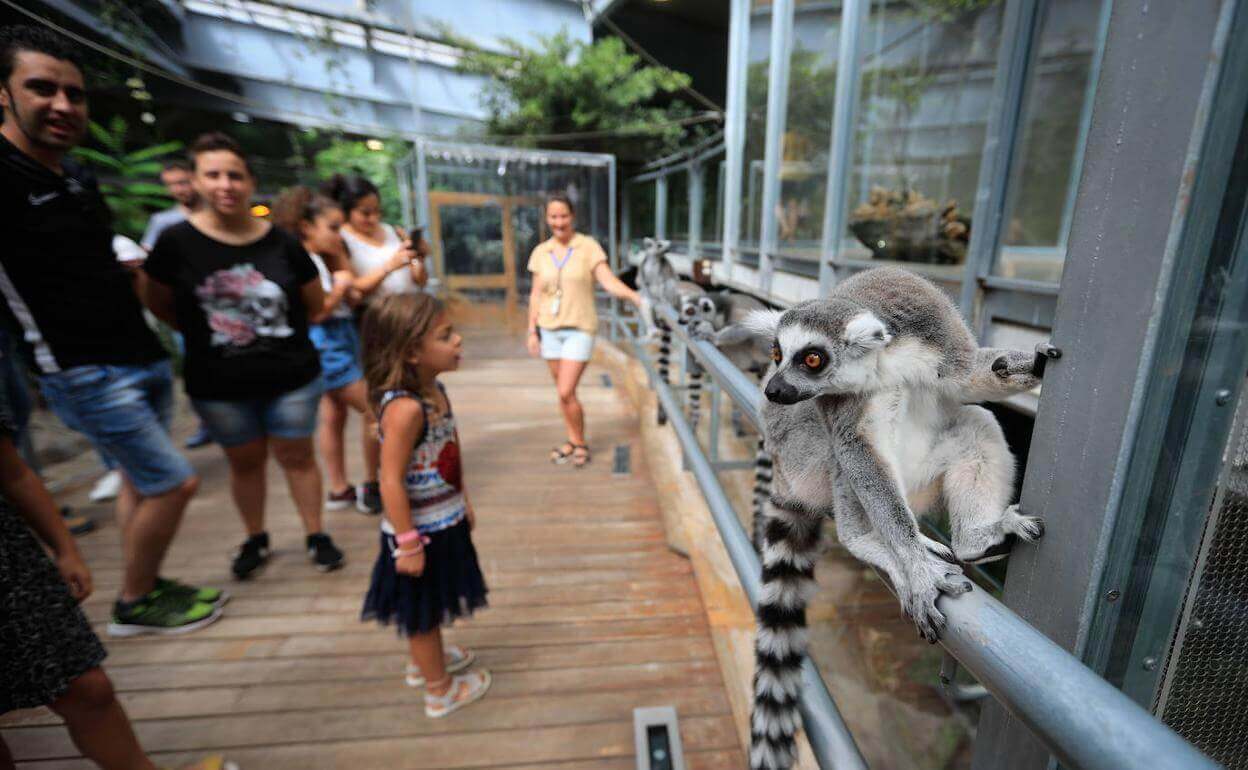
(678, 209)
(530, 230)
(640, 212)
(472, 239)
(927, 79)
(1044, 176)
(808, 129)
(712, 208)
(759, 58)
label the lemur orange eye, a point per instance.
(813, 360)
(775, 354)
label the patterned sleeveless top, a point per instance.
(433, 479)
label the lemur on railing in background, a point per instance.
(658, 284)
(750, 354)
(867, 418)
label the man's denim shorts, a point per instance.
(125, 411)
(289, 415)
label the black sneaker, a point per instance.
(323, 553)
(251, 556)
(369, 500)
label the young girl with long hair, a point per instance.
(316, 219)
(427, 573)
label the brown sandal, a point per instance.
(560, 455)
(580, 455)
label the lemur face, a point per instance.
(823, 347)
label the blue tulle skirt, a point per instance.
(450, 587)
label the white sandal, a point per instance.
(456, 657)
(465, 689)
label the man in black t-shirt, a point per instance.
(80, 326)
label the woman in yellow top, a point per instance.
(562, 319)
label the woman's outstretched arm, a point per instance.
(614, 286)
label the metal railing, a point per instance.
(1081, 718)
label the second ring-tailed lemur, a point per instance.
(659, 285)
(867, 419)
(749, 353)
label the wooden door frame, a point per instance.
(505, 280)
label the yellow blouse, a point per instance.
(567, 299)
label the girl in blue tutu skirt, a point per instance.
(427, 573)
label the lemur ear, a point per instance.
(648, 243)
(867, 332)
(763, 323)
(663, 246)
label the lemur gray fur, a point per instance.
(867, 418)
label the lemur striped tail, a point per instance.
(792, 534)
(695, 395)
(762, 492)
(665, 356)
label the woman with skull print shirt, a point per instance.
(240, 291)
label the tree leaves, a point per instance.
(127, 178)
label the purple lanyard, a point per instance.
(559, 265)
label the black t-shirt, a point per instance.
(240, 311)
(62, 292)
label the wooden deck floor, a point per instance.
(590, 616)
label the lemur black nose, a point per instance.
(780, 392)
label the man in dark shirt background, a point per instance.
(79, 325)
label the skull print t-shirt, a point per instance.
(240, 310)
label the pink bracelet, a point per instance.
(399, 553)
(410, 536)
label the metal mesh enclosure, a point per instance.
(1206, 683)
(482, 208)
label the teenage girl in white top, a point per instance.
(384, 261)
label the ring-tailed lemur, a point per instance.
(697, 314)
(658, 284)
(749, 353)
(867, 419)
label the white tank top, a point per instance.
(365, 257)
(327, 283)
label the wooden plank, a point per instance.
(385, 721)
(328, 668)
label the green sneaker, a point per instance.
(160, 613)
(214, 596)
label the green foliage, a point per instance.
(565, 86)
(126, 176)
(346, 156)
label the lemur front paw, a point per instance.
(1017, 368)
(988, 544)
(927, 577)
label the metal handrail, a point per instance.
(1085, 721)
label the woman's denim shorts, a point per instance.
(289, 415)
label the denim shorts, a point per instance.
(338, 345)
(567, 344)
(125, 412)
(289, 415)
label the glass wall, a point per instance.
(640, 211)
(926, 82)
(713, 208)
(1044, 175)
(756, 88)
(808, 129)
(678, 209)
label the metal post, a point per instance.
(1009, 93)
(1114, 312)
(697, 193)
(660, 206)
(773, 152)
(839, 158)
(734, 127)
